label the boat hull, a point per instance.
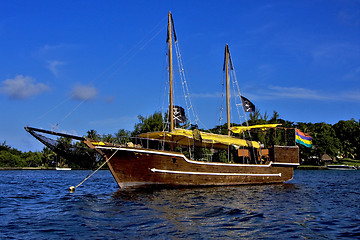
(143, 167)
(62, 169)
(341, 167)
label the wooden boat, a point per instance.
(342, 167)
(63, 169)
(163, 158)
(142, 165)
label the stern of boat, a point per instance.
(285, 155)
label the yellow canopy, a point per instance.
(186, 137)
(241, 129)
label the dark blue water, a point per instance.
(315, 205)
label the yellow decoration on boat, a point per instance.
(98, 143)
(186, 138)
(241, 129)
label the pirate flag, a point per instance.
(179, 114)
(247, 105)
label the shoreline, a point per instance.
(311, 167)
(27, 168)
(39, 168)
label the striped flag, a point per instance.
(303, 138)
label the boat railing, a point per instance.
(148, 143)
(191, 151)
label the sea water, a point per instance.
(36, 204)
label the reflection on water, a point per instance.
(315, 205)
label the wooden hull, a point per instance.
(144, 167)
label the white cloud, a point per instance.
(336, 53)
(279, 92)
(295, 93)
(49, 50)
(22, 87)
(353, 74)
(109, 99)
(53, 66)
(265, 71)
(83, 92)
(352, 96)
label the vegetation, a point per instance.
(10, 157)
(339, 141)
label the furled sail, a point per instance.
(186, 137)
(241, 129)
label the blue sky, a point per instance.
(300, 58)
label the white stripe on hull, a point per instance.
(216, 174)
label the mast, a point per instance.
(227, 87)
(171, 109)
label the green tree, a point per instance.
(64, 144)
(4, 147)
(48, 157)
(149, 124)
(7, 159)
(108, 138)
(32, 159)
(92, 134)
(348, 133)
(325, 140)
(275, 117)
(256, 118)
(122, 136)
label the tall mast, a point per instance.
(227, 87)
(170, 75)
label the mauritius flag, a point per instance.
(303, 138)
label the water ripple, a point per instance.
(315, 205)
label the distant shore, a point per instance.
(40, 168)
(311, 167)
(346, 162)
(27, 168)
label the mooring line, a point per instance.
(72, 188)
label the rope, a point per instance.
(50, 110)
(115, 67)
(185, 86)
(72, 189)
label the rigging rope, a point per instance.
(71, 112)
(222, 103)
(72, 188)
(185, 86)
(52, 109)
(139, 46)
(235, 82)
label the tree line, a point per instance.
(340, 140)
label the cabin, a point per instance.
(325, 159)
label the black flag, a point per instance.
(179, 114)
(247, 105)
